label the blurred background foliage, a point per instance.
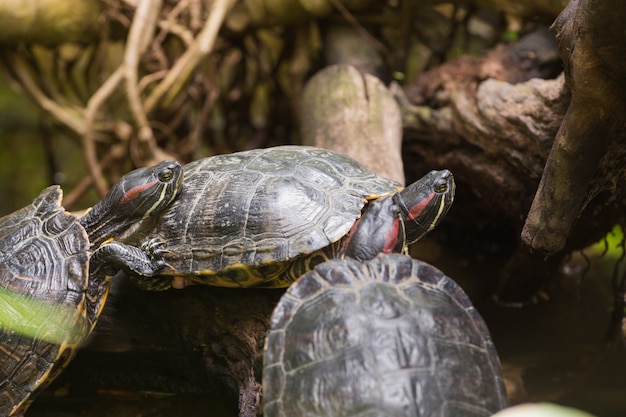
(97, 98)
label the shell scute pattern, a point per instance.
(309, 287)
(274, 351)
(324, 332)
(338, 277)
(44, 250)
(372, 338)
(319, 172)
(384, 301)
(43, 257)
(264, 206)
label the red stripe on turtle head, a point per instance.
(416, 210)
(425, 202)
(136, 191)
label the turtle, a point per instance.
(55, 272)
(391, 336)
(262, 218)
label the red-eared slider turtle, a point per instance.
(264, 217)
(391, 337)
(51, 290)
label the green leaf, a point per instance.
(541, 410)
(39, 319)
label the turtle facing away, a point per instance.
(39, 241)
(55, 274)
(265, 217)
(391, 337)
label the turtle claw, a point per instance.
(113, 256)
(147, 277)
(155, 248)
(164, 265)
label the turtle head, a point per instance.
(425, 202)
(136, 200)
(148, 191)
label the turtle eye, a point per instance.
(441, 187)
(166, 175)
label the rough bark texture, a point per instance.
(590, 38)
(481, 118)
(491, 122)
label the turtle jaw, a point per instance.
(425, 203)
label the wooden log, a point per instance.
(354, 114)
(196, 343)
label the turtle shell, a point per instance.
(262, 208)
(43, 275)
(388, 337)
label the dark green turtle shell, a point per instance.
(43, 276)
(241, 219)
(389, 337)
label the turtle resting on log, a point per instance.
(323, 199)
(391, 336)
(55, 273)
(279, 212)
(263, 218)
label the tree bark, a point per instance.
(491, 121)
(590, 41)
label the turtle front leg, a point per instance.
(145, 261)
(112, 257)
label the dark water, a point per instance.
(562, 348)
